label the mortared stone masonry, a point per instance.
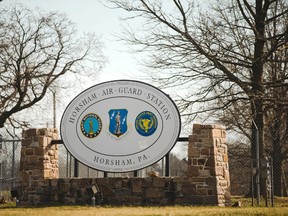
(206, 183)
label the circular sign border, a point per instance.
(143, 165)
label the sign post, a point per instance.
(120, 126)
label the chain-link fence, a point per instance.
(9, 163)
(261, 178)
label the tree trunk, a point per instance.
(258, 133)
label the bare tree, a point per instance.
(36, 49)
(275, 104)
(222, 53)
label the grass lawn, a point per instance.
(129, 211)
(281, 208)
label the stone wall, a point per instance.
(208, 163)
(206, 183)
(38, 162)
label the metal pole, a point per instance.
(54, 109)
(13, 159)
(252, 182)
(13, 164)
(70, 166)
(257, 166)
(67, 164)
(135, 173)
(163, 166)
(76, 168)
(256, 138)
(266, 193)
(167, 165)
(272, 182)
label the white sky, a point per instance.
(92, 16)
(89, 16)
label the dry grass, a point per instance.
(141, 211)
(281, 208)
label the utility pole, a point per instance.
(54, 108)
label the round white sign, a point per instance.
(120, 126)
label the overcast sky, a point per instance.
(93, 16)
(89, 16)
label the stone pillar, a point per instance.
(208, 164)
(39, 161)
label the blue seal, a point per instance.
(146, 123)
(91, 125)
(118, 122)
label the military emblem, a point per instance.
(118, 122)
(91, 125)
(146, 123)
